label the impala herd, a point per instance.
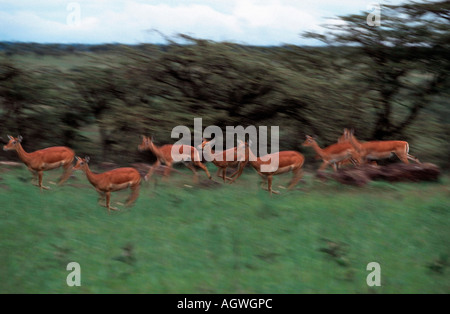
(347, 150)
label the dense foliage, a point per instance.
(387, 82)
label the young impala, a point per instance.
(111, 181)
(43, 159)
(171, 153)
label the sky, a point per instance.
(254, 22)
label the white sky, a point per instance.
(256, 22)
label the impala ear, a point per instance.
(10, 137)
(77, 158)
(20, 138)
(86, 159)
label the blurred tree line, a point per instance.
(387, 82)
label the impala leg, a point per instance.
(324, 165)
(298, 174)
(108, 202)
(225, 178)
(411, 157)
(66, 174)
(34, 179)
(224, 174)
(167, 171)
(101, 199)
(194, 171)
(238, 172)
(152, 169)
(402, 157)
(134, 194)
(269, 185)
(356, 158)
(40, 175)
(221, 173)
(354, 161)
(263, 181)
(203, 167)
(334, 166)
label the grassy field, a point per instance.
(185, 238)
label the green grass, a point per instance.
(226, 238)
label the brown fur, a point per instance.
(334, 153)
(287, 161)
(381, 149)
(219, 159)
(164, 155)
(111, 181)
(44, 159)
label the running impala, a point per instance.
(287, 161)
(380, 149)
(111, 181)
(43, 159)
(232, 157)
(165, 154)
(333, 154)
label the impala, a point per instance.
(43, 159)
(111, 181)
(287, 161)
(341, 139)
(380, 149)
(184, 153)
(334, 153)
(231, 157)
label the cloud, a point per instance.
(262, 22)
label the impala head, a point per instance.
(147, 143)
(81, 163)
(348, 134)
(243, 144)
(206, 142)
(344, 137)
(13, 143)
(310, 141)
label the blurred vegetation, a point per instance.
(387, 82)
(178, 238)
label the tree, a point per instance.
(403, 62)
